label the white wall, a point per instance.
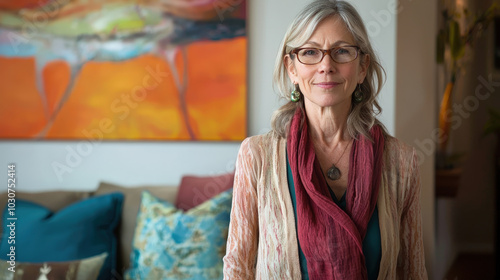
(132, 163)
(416, 101)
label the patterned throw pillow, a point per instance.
(85, 269)
(172, 244)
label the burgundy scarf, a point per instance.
(330, 238)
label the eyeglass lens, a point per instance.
(339, 55)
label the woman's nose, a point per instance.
(327, 64)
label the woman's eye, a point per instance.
(309, 52)
(342, 51)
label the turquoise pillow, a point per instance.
(81, 230)
(171, 244)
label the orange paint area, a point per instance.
(137, 99)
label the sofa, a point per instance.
(198, 202)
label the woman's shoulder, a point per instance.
(399, 153)
(396, 146)
(261, 142)
(259, 149)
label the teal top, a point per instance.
(372, 248)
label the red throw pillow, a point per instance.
(195, 190)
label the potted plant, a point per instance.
(459, 32)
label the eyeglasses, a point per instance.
(310, 56)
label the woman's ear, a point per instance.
(364, 64)
(290, 68)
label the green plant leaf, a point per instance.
(457, 47)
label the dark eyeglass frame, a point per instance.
(325, 52)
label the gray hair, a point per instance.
(363, 114)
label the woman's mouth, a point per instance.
(326, 85)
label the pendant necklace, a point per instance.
(334, 173)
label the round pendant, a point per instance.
(333, 173)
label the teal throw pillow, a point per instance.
(172, 244)
(80, 230)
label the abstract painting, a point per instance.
(123, 70)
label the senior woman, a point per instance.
(327, 194)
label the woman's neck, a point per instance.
(328, 125)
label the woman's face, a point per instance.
(328, 83)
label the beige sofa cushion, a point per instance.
(129, 214)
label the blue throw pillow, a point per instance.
(81, 230)
(172, 244)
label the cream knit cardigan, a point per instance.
(262, 238)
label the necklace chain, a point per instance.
(333, 173)
(348, 144)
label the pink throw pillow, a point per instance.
(195, 190)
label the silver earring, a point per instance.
(295, 95)
(358, 94)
